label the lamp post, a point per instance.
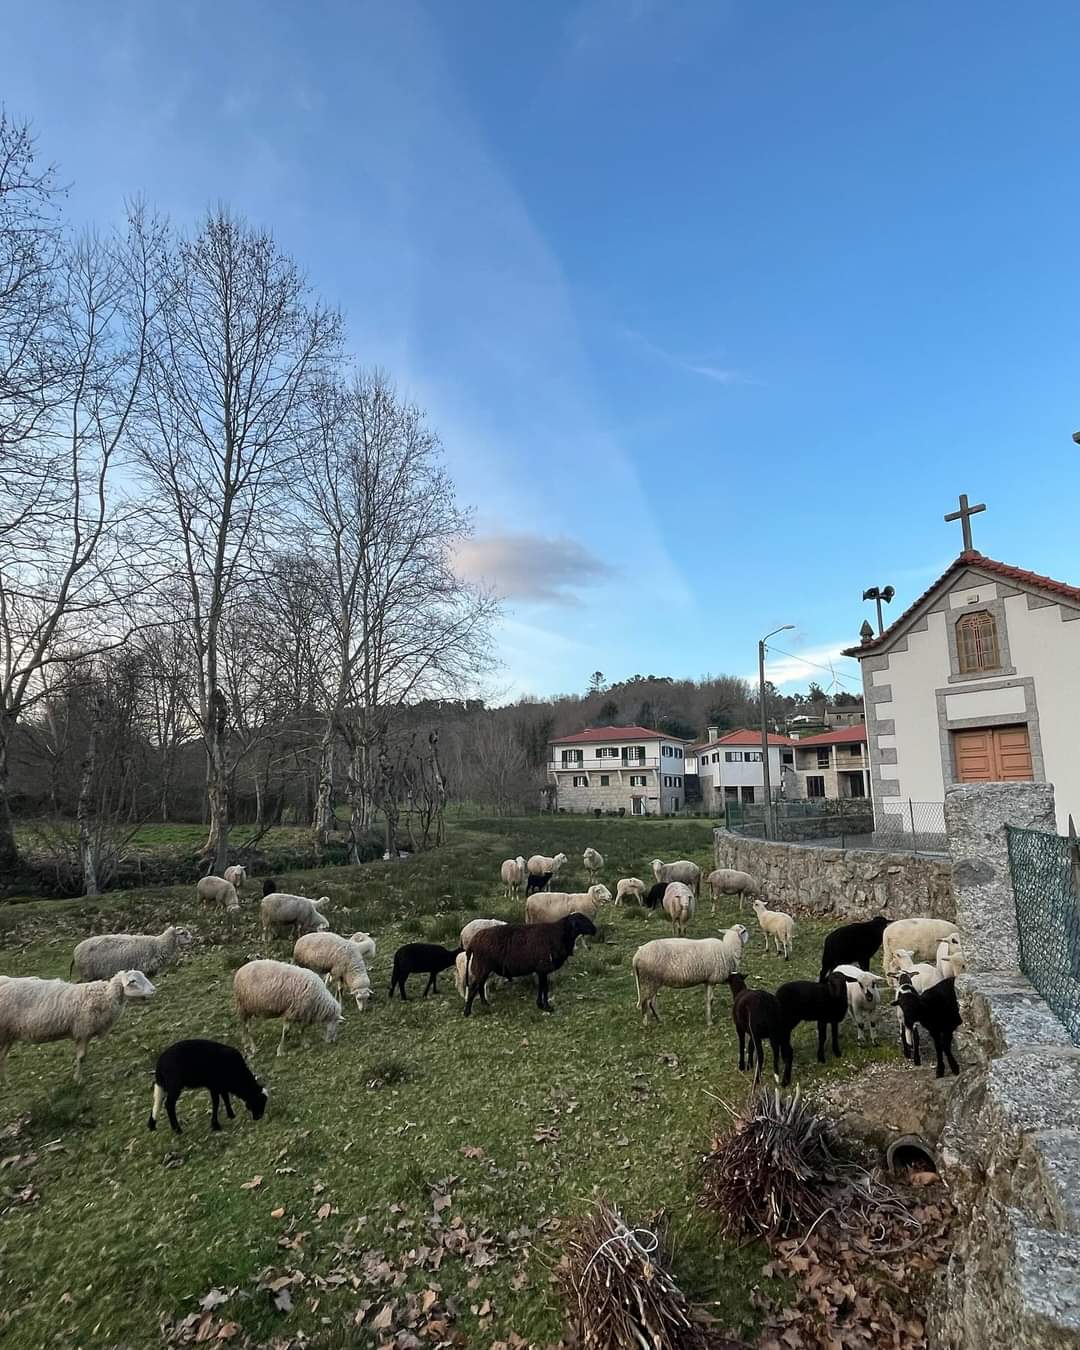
(769, 830)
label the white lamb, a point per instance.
(630, 886)
(337, 959)
(950, 959)
(918, 936)
(513, 874)
(475, 926)
(549, 906)
(275, 989)
(864, 999)
(679, 906)
(923, 977)
(237, 874)
(279, 911)
(777, 925)
(461, 978)
(680, 963)
(687, 872)
(219, 891)
(103, 956)
(730, 881)
(593, 863)
(540, 866)
(53, 1010)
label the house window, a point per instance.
(855, 750)
(815, 786)
(581, 780)
(731, 794)
(733, 756)
(716, 757)
(637, 780)
(572, 757)
(977, 642)
(823, 759)
(787, 756)
(634, 754)
(605, 780)
(748, 795)
(753, 756)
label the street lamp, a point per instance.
(880, 593)
(769, 830)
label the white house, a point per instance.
(608, 768)
(833, 764)
(978, 681)
(730, 767)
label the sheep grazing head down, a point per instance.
(257, 1104)
(580, 925)
(135, 984)
(332, 1027)
(184, 937)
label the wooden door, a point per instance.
(992, 755)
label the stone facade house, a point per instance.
(978, 681)
(605, 768)
(729, 767)
(832, 765)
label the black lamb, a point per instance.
(421, 958)
(758, 1016)
(270, 887)
(938, 1011)
(853, 944)
(537, 882)
(219, 1068)
(824, 1002)
(654, 896)
(523, 949)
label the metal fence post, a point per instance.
(914, 836)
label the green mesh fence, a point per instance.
(1046, 880)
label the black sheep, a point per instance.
(853, 944)
(420, 958)
(270, 887)
(654, 896)
(757, 1016)
(219, 1068)
(524, 949)
(938, 1011)
(537, 882)
(824, 1002)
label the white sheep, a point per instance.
(593, 863)
(735, 940)
(366, 943)
(237, 874)
(540, 866)
(923, 976)
(777, 925)
(730, 881)
(219, 891)
(950, 959)
(689, 873)
(461, 975)
(275, 989)
(103, 956)
(513, 874)
(864, 999)
(630, 886)
(919, 936)
(679, 906)
(550, 906)
(279, 910)
(475, 926)
(338, 959)
(53, 1010)
(680, 963)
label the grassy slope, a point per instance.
(125, 1226)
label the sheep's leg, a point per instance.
(836, 1039)
(822, 1031)
(949, 1054)
(284, 1033)
(228, 1106)
(543, 1002)
(80, 1055)
(170, 1101)
(905, 1043)
(708, 1005)
(469, 999)
(789, 1056)
(757, 1051)
(215, 1099)
(915, 1045)
(430, 985)
(742, 1050)
(5, 1046)
(774, 1042)
(939, 1058)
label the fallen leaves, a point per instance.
(252, 1185)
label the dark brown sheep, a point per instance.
(515, 949)
(758, 1016)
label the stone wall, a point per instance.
(849, 883)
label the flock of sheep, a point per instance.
(921, 958)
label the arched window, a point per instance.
(977, 642)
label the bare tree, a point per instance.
(242, 342)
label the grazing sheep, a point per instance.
(275, 989)
(593, 863)
(757, 1017)
(687, 872)
(680, 963)
(219, 1068)
(822, 1001)
(679, 906)
(538, 881)
(280, 911)
(938, 1011)
(547, 906)
(513, 874)
(366, 943)
(237, 874)
(950, 959)
(475, 926)
(730, 881)
(852, 944)
(864, 999)
(918, 936)
(777, 925)
(630, 886)
(219, 891)
(420, 958)
(539, 865)
(103, 956)
(524, 949)
(654, 897)
(53, 1010)
(338, 959)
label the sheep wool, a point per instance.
(219, 891)
(593, 862)
(777, 925)
(680, 963)
(475, 926)
(679, 906)
(282, 911)
(632, 886)
(539, 865)
(103, 956)
(366, 943)
(547, 906)
(687, 872)
(919, 936)
(730, 881)
(237, 875)
(337, 959)
(512, 873)
(276, 989)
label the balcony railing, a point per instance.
(603, 765)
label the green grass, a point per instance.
(527, 1114)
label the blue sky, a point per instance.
(716, 306)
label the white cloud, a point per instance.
(524, 566)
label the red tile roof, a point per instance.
(744, 737)
(970, 558)
(841, 736)
(601, 734)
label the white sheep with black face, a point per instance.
(864, 999)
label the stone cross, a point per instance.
(964, 517)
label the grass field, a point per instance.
(423, 1158)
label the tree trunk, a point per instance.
(84, 811)
(323, 814)
(9, 850)
(258, 801)
(217, 783)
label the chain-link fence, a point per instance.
(1046, 882)
(896, 826)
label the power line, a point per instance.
(847, 678)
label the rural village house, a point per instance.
(606, 768)
(729, 766)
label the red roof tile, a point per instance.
(840, 736)
(744, 737)
(970, 558)
(594, 734)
